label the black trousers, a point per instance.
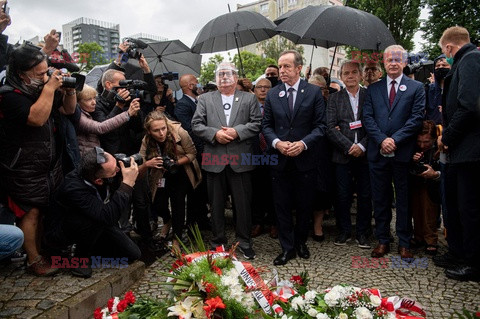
(93, 239)
(293, 189)
(240, 185)
(263, 212)
(177, 186)
(468, 192)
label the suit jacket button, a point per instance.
(389, 118)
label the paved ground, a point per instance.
(330, 265)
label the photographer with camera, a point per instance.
(92, 209)
(164, 100)
(424, 188)
(170, 162)
(31, 147)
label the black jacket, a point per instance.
(461, 112)
(82, 203)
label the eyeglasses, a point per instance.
(100, 155)
(262, 87)
(226, 73)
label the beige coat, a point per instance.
(185, 147)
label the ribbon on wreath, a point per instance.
(404, 308)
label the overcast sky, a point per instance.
(174, 19)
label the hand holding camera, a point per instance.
(56, 79)
(429, 172)
(122, 97)
(129, 173)
(156, 162)
(134, 107)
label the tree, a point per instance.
(272, 48)
(207, 71)
(90, 54)
(253, 65)
(400, 16)
(445, 14)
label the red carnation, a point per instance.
(130, 297)
(122, 305)
(110, 304)
(98, 313)
(297, 280)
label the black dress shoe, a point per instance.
(463, 273)
(302, 251)
(318, 238)
(447, 261)
(284, 257)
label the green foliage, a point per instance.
(145, 308)
(466, 314)
(253, 65)
(207, 72)
(91, 54)
(400, 16)
(445, 14)
(272, 48)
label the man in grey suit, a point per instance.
(349, 138)
(228, 120)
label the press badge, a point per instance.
(161, 183)
(355, 125)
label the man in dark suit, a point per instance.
(392, 115)
(345, 130)
(293, 124)
(461, 141)
(197, 209)
(228, 121)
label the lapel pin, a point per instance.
(402, 87)
(302, 90)
(236, 99)
(281, 94)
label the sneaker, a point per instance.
(41, 267)
(363, 242)
(248, 253)
(342, 239)
(18, 256)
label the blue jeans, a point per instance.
(351, 177)
(11, 239)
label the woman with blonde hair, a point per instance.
(169, 159)
(88, 129)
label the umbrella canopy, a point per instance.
(94, 75)
(219, 34)
(170, 57)
(327, 26)
(284, 16)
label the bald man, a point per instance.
(197, 209)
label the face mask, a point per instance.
(440, 73)
(273, 80)
(35, 86)
(449, 60)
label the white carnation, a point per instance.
(342, 316)
(322, 316)
(312, 312)
(363, 313)
(310, 296)
(298, 303)
(331, 298)
(375, 300)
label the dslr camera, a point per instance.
(126, 159)
(169, 164)
(76, 81)
(136, 88)
(418, 168)
(133, 46)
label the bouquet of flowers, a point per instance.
(115, 307)
(295, 301)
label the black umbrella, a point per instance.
(327, 26)
(284, 16)
(172, 57)
(233, 30)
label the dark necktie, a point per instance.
(290, 99)
(196, 101)
(392, 93)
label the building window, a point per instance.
(292, 2)
(264, 7)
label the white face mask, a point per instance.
(35, 86)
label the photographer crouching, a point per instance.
(92, 208)
(30, 144)
(424, 187)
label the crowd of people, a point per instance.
(88, 167)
